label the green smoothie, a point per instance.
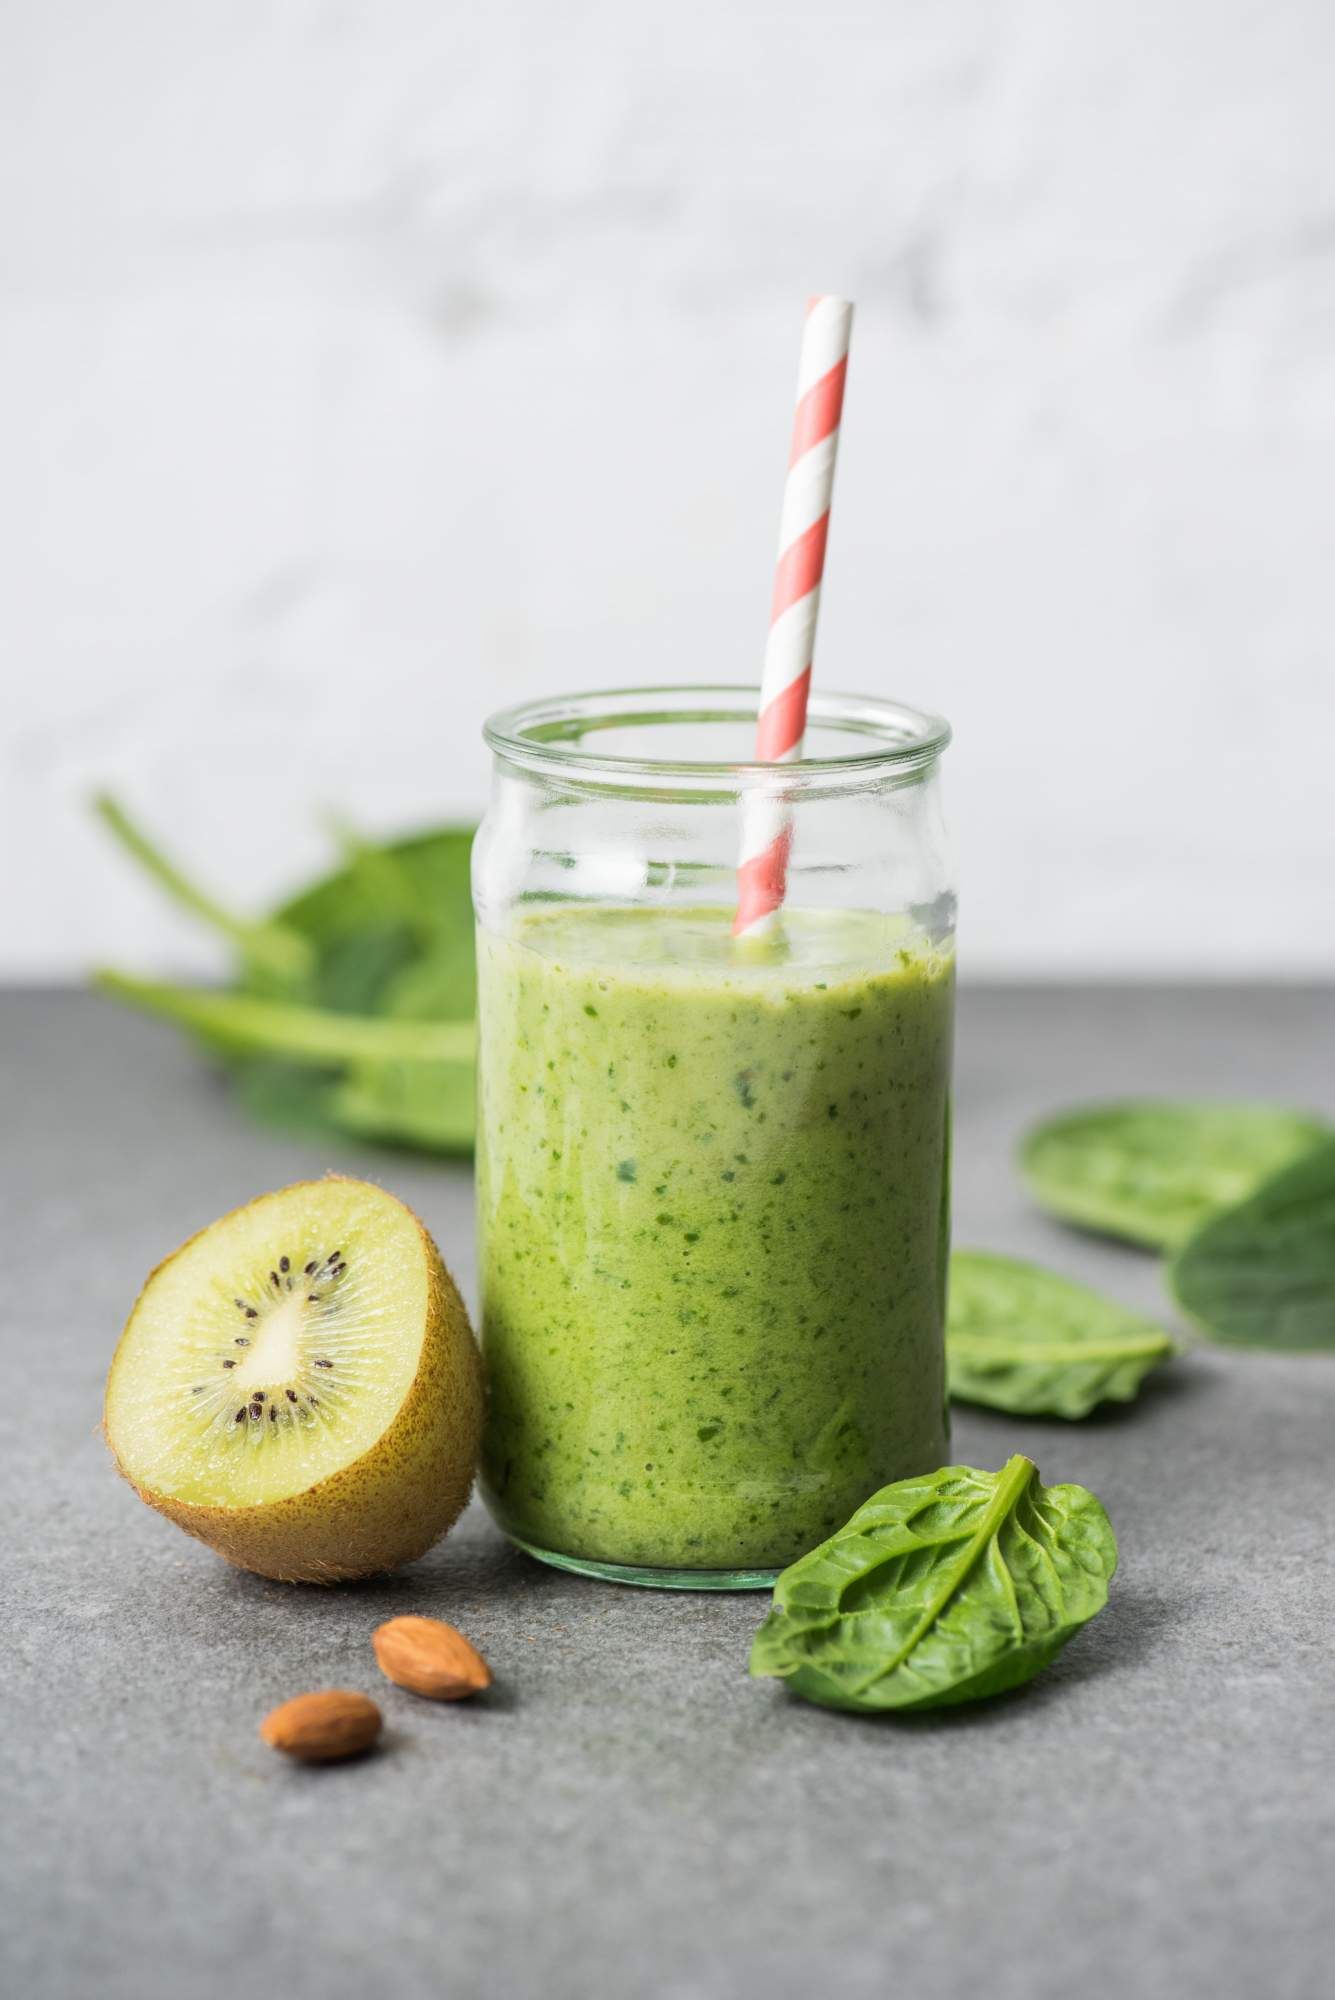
(713, 1195)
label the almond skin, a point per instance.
(320, 1728)
(427, 1656)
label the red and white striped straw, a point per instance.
(767, 827)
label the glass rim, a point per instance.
(550, 732)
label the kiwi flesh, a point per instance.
(299, 1386)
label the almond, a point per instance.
(429, 1657)
(318, 1728)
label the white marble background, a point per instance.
(365, 366)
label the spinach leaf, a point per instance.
(430, 894)
(388, 884)
(1151, 1170)
(353, 1003)
(439, 987)
(292, 1097)
(354, 970)
(1262, 1274)
(425, 1105)
(941, 1589)
(1020, 1338)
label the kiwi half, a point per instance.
(299, 1387)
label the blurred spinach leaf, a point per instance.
(351, 1006)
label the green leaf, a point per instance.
(426, 1105)
(1019, 1338)
(357, 970)
(940, 1590)
(240, 1024)
(430, 873)
(1151, 1170)
(290, 1096)
(393, 886)
(274, 951)
(355, 998)
(1262, 1274)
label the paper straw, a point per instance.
(767, 825)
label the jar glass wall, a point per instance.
(713, 1173)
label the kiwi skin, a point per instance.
(394, 1502)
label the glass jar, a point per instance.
(713, 1173)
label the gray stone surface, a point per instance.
(627, 1815)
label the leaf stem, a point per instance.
(244, 1025)
(279, 950)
